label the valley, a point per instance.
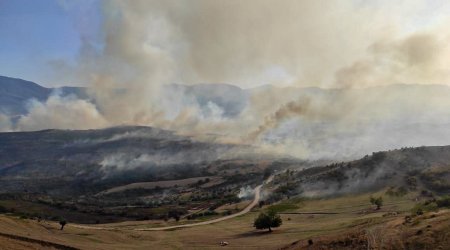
(213, 200)
(355, 226)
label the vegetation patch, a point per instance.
(396, 191)
(431, 205)
(283, 207)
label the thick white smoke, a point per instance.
(148, 45)
(63, 113)
(5, 123)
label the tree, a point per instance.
(377, 201)
(268, 220)
(62, 223)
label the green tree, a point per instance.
(268, 220)
(377, 201)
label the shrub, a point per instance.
(377, 201)
(419, 209)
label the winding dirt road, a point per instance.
(247, 209)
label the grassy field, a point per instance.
(163, 184)
(352, 212)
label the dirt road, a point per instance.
(247, 209)
(255, 201)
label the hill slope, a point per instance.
(59, 159)
(14, 93)
(404, 170)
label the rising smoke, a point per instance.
(340, 46)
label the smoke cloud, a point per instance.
(63, 113)
(246, 192)
(418, 58)
(5, 123)
(303, 43)
(342, 50)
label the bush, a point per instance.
(419, 209)
(377, 201)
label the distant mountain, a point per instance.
(16, 93)
(232, 100)
(330, 123)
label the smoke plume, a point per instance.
(342, 50)
(63, 113)
(5, 123)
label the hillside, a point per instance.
(52, 159)
(403, 170)
(15, 94)
(118, 173)
(61, 174)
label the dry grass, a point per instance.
(355, 212)
(163, 184)
(236, 206)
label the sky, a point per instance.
(254, 43)
(36, 33)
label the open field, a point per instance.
(353, 212)
(163, 184)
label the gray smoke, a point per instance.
(351, 46)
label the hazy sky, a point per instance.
(247, 43)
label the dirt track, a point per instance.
(255, 201)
